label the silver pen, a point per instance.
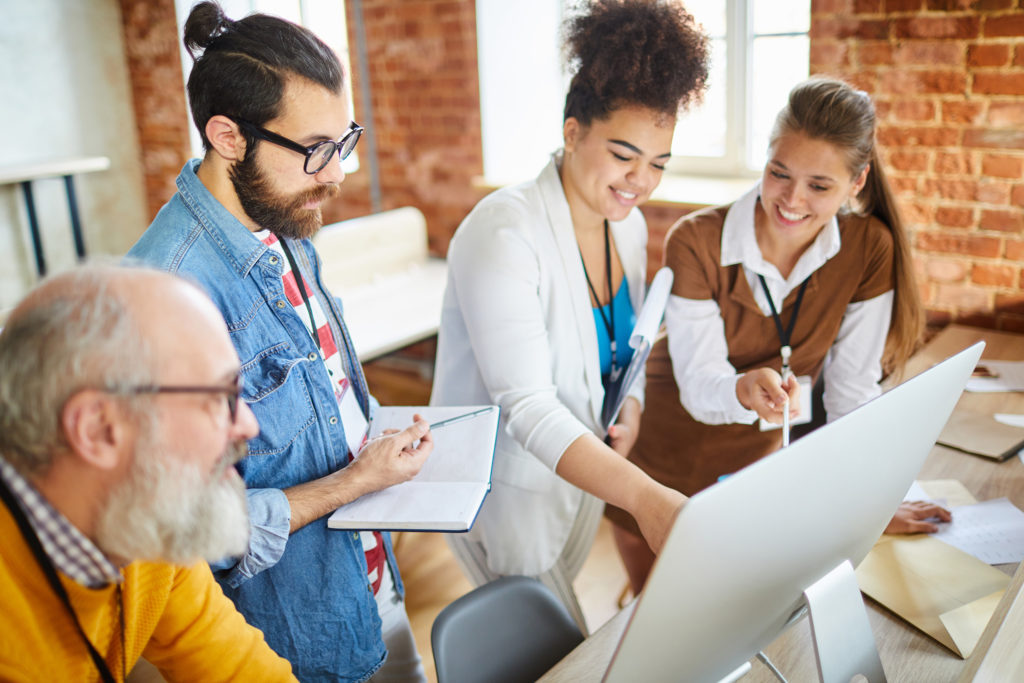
(460, 418)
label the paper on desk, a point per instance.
(939, 589)
(992, 531)
(1009, 377)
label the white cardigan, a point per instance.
(517, 329)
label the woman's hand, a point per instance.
(656, 513)
(763, 391)
(622, 435)
(912, 518)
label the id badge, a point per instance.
(805, 407)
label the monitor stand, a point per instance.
(843, 642)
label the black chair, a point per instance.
(508, 631)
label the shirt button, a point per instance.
(274, 260)
(369, 587)
(355, 535)
(333, 420)
(311, 356)
(280, 304)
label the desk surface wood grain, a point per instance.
(907, 654)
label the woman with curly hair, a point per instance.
(544, 282)
(807, 274)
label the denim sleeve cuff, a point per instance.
(269, 521)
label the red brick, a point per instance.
(1002, 166)
(819, 7)
(1018, 55)
(929, 53)
(993, 275)
(989, 5)
(962, 112)
(831, 53)
(1014, 250)
(1001, 83)
(963, 244)
(963, 297)
(1010, 303)
(904, 185)
(903, 5)
(916, 212)
(950, 5)
(1006, 114)
(936, 27)
(944, 270)
(874, 52)
(908, 160)
(904, 82)
(1005, 25)
(867, 6)
(993, 139)
(953, 163)
(954, 217)
(937, 319)
(993, 192)
(913, 110)
(1017, 195)
(1004, 221)
(896, 136)
(988, 55)
(965, 190)
(844, 27)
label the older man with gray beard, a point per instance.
(120, 422)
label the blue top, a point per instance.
(625, 320)
(308, 591)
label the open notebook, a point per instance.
(447, 493)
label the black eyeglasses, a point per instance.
(232, 393)
(318, 155)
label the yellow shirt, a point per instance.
(177, 617)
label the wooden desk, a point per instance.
(907, 654)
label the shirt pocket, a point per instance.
(277, 393)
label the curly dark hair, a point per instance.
(649, 53)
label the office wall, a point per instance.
(66, 93)
(948, 79)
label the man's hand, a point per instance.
(384, 461)
(763, 391)
(912, 518)
(393, 458)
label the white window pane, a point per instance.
(286, 9)
(702, 131)
(778, 65)
(710, 14)
(781, 16)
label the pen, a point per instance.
(460, 418)
(786, 351)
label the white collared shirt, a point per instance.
(700, 351)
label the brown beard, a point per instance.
(282, 216)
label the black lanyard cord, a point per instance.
(785, 335)
(301, 284)
(51, 574)
(609, 325)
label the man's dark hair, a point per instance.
(241, 67)
(647, 53)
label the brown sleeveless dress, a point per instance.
(673, 447)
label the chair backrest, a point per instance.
(508, 631)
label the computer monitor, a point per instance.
(741, 553)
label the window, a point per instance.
(326, 18)
(522, 88)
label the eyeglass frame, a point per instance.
(281, 141)
(233, 395)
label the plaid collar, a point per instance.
(68, 548)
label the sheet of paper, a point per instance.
(1009, 376)
(649, 318)
(992, 531)
(1012, 419)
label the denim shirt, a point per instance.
(307, 591)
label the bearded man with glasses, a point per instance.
(120, 423)
(268, 98)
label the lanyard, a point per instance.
(301, 284)
(51, 574)
(609, 325)
(784, 334)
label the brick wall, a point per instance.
(158, 94)
(948, 79)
